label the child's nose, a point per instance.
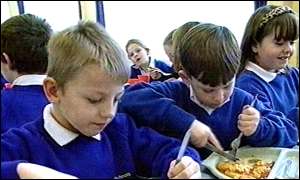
(108, 111)
(288, 48)
(219, 97)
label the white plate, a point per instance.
(266, 154)
(291, 155)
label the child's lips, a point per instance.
(100, 125)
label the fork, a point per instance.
(235, 144)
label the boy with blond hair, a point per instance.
(80, 132)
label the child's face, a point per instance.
(89, 101)
(273, 55)
(212, 97)
(137, 54)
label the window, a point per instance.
(4, 11)
(59, 14)
(152, 21)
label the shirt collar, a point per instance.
(26, 80)
(61, 135)
(265, 75)
(209, 110)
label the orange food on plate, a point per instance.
(251, 169)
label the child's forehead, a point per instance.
(94, 78)
(133, 46)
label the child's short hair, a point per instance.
(177, 37)
(209, 53)
(84, 44)
(24, 39)
(265, 20)
(168, 39)
(138, 42)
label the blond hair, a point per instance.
(84, 44)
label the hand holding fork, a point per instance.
(235, 144)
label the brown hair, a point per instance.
(24, 39)
(209, 53)
(177, 37)
(168, 39)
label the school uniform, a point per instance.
(3, 82)
(279, 90)
(166, 69)
(118, 150)
(172, 107)
(23, 101)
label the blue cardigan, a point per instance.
(21, 104)
(122, 149)
(167, 107)
(281, 94)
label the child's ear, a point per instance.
(51, 90)
(254, 48)
(6, 60)
(185, 78)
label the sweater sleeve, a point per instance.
(9, 169)
(274, 129)
(11, 154)
(156, 106)
(294, 115)
(155, 151)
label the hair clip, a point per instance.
(274, 13)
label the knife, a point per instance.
(220, 152)
(183, 146)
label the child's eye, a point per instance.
(94, 101)
(292, 42)
(208, 90)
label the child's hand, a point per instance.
(35, 171)
(155, 73)
(248, 120)
(187, 168)
(202, 134)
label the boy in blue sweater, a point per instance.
(80, 133)
(24, 61)
(267, 46)
(208, 101)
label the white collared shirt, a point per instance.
(265, 75)
(209, 110)
(59, 134)
(26, 80)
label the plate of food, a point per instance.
(254, 163)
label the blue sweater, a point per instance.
(167, 107)
(3, 81)
(281, 94)
(122, 149)
(20, 104)
(157, 63)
